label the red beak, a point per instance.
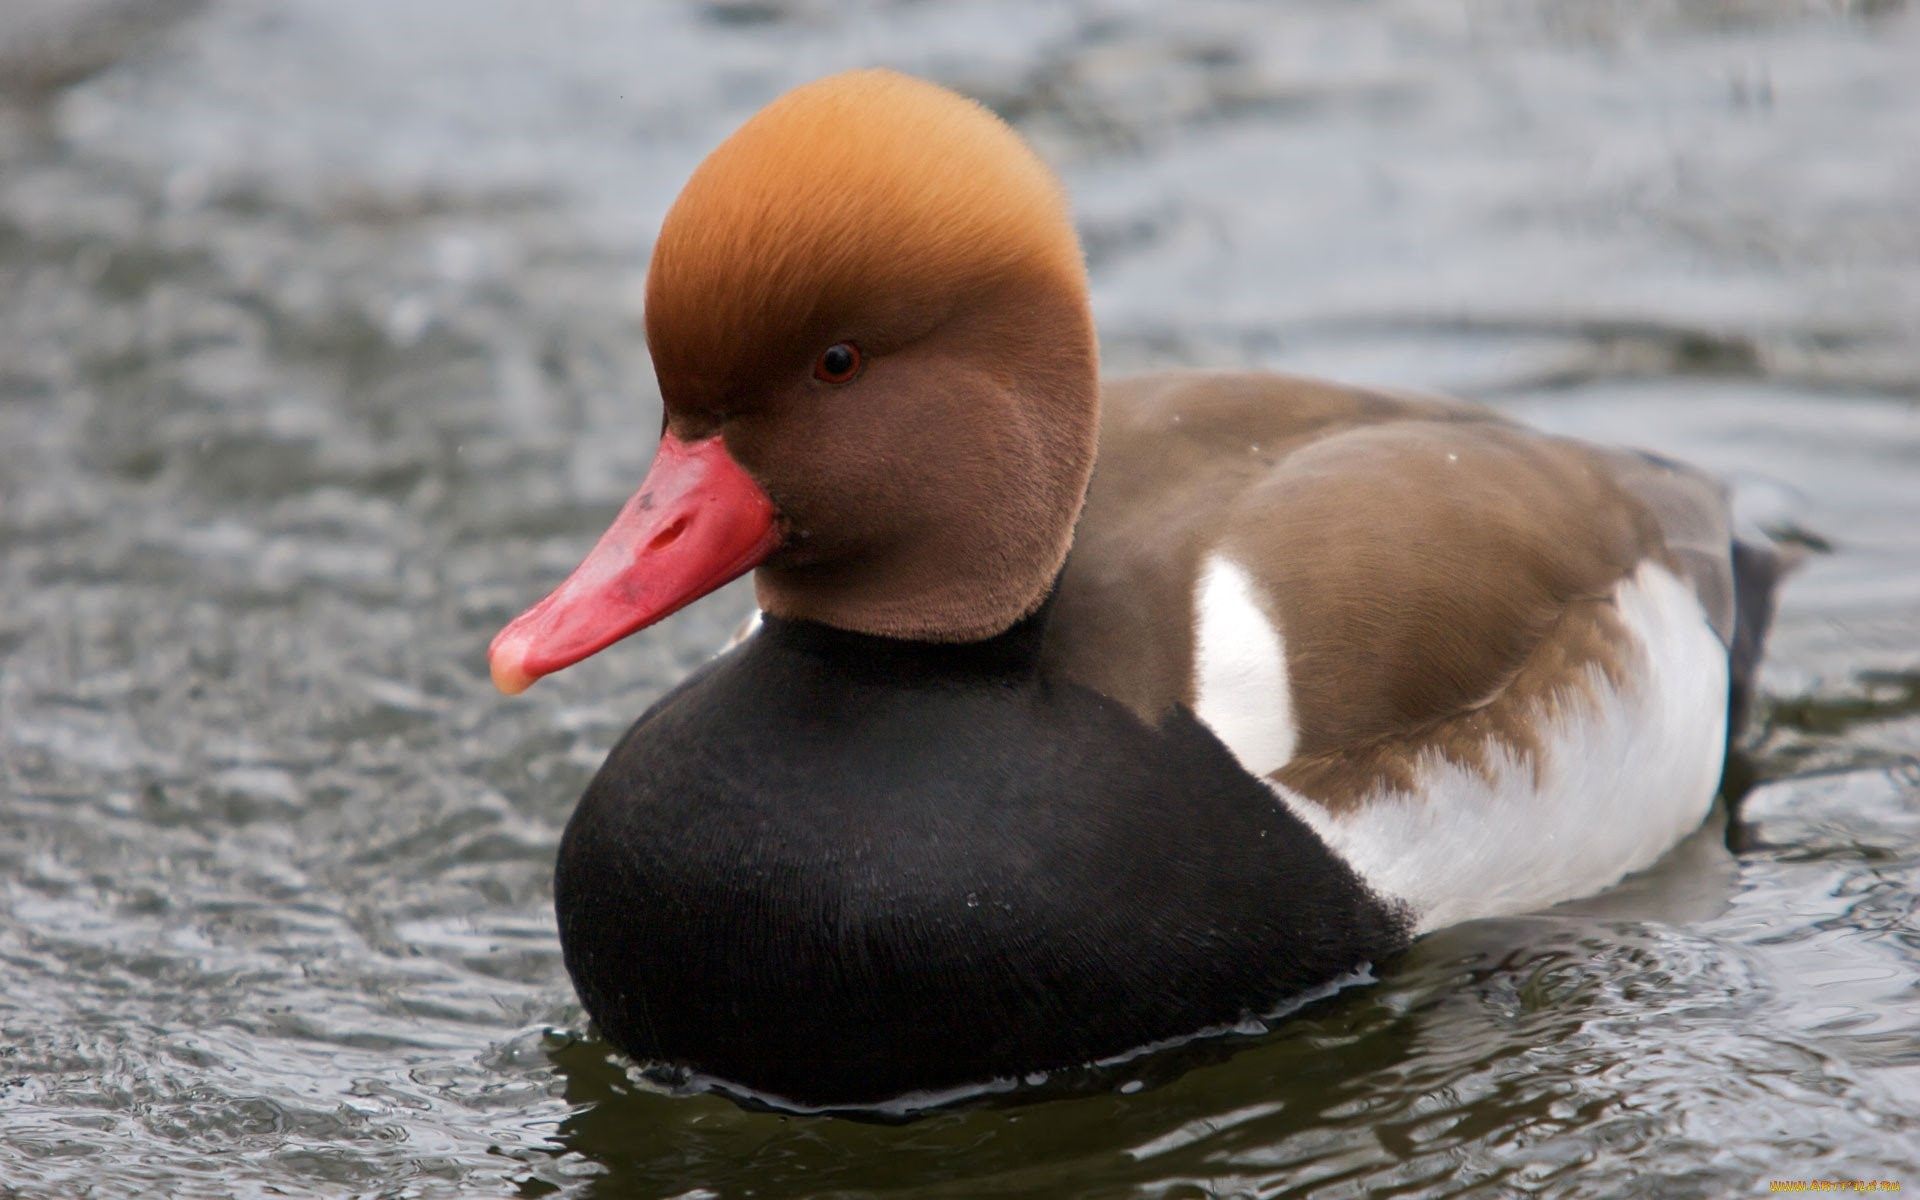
(697, 522)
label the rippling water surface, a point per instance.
(319, 358)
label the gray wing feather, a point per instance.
(1690, 507)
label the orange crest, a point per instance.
(867, 197)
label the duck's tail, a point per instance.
(1759, 565)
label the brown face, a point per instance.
(841, 451)
(930, 492)
(822, 407)
(869, 304)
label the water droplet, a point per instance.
(973, 900)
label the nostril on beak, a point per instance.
(668, 536)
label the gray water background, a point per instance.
(320, 358)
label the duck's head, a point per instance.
(868, 315)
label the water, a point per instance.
(319, 358)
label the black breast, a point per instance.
(836, 869)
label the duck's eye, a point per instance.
(838, 363)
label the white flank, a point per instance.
(1240, 670)
(1623, 779)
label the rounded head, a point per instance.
(868, 314)
(932, 494)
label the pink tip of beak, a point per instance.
(507, 658)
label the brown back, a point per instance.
(1424, 559)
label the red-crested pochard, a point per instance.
(1081, 717)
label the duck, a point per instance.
(1081, 717)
